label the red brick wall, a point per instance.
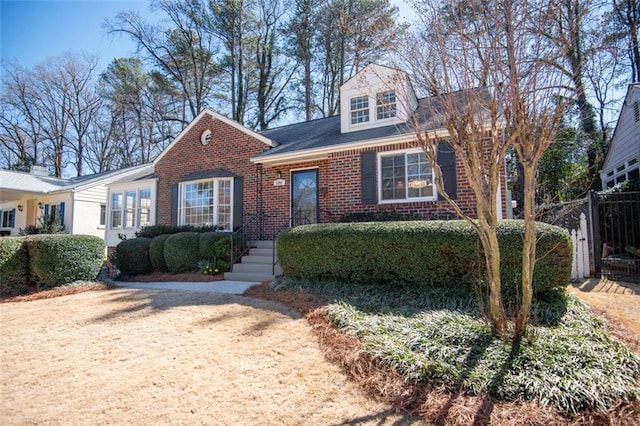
(229, 149)
(339, 189)
(338, 186)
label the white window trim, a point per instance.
(181, 193)
(621, 172)
(123, 209)
(368, 108)
(434, 197)
(382, 120)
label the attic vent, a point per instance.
(636, 111)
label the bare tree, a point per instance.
(20, 122)
(183, 53)
(494, 92)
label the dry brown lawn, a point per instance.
(148, 357)
(171, 357)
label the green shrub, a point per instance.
(156, 253)
(132, 256)
(436, 253)
(182, 252)
(46, 225)
(223, 252)
(207, 243)
(153, 231)
(14, 266)
(60, 259)
(379, 216)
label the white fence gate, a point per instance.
(580, 239)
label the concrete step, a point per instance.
(261, 252)
(248, 276)
(262, 244)
(257, 259)
(252, 267)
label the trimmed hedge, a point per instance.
(182, 252)
(132, 256)
(156, 253)
(14, 266)
(436, 253)
(61, 259)
(153, 231)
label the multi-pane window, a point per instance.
(116, 209)
(386, 105)
(130, 209)
(8, 218)
(207, 203)
(359, 109)
(103, 214)
(406, 176)
(144, 208)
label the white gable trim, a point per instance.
(222, 118)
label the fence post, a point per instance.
(584, 245)
(574, 267)
(594, 216)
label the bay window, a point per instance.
(206, 203)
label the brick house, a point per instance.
(220, 173)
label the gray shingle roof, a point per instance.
(325, 132)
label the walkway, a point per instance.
(224, 286)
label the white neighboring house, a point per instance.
(622, 162)
(131, 204)
(79, 203)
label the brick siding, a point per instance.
(338, 179)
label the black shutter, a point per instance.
(237, 202)
(447, 163)
(174, 204)
(368, 190)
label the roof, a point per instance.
(324, 134)
(14, 184)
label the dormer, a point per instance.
(376, 96)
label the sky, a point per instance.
(33, 30)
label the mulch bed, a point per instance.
(435, 404)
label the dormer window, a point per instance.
(359, 110)
(386, 105)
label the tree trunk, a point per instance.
(528, 248)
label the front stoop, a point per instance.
(256, 266)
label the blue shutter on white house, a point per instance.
(12, 221)
(62, 214)
(46, 209)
